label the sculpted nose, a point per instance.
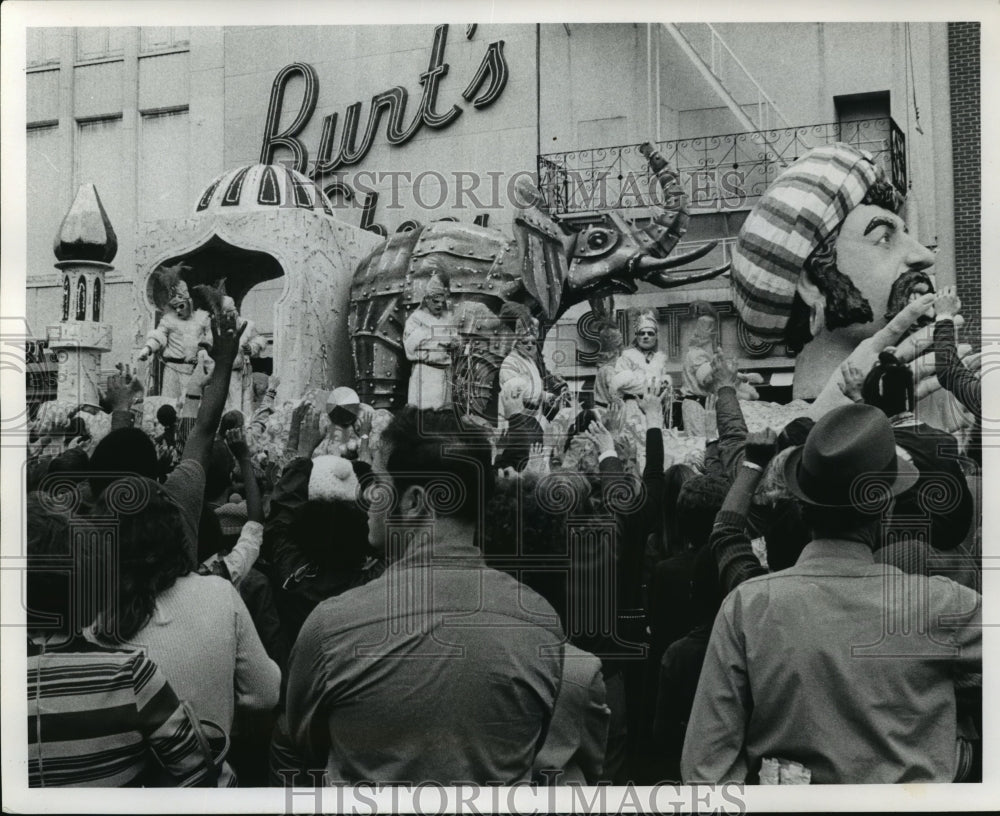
(918, 256)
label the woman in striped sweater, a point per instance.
(97, 716)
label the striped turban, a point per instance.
(799, 211)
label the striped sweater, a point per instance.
(99, 716)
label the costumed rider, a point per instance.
(696, 370)
(611, 346)
(429, 339)
(177, 336)
(252, 344)
(525, 387)
(639, 367)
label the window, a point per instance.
(43, 46)
(164, 156)
(162, 38)
(95, 43)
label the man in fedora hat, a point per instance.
(837, 663)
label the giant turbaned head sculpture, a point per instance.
(816, 259)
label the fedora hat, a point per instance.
(846, 445)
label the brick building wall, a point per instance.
(963, 70)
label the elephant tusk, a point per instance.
(648, 265)
(665, 281)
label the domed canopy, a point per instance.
(262, 187)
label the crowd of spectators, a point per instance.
(437, 609)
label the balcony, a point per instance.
(719, 173)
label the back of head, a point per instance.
(786, 534)
(151, 550)
(889, 386)
(219, 475)
(54, 576)
(166, 415)
(706, 592)
(523, 431)
(69, 462)
(431, 449)
(124, 452)
(674, 479)
(699, 502)
(331, 531)
(231, 419)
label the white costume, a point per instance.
(241, 382)
(636, 369)
(426, 340)
(176, 340)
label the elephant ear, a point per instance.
(543, 250)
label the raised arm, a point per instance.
(728, 413)
(225, 345)
(951, 373)
(729, 540)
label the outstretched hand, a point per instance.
(759, 448)
(866, 355)
(539, 459)
(226, 332)
(725, 371)
(852, 378)
(122, 389)
(600, 436)
(236, 441)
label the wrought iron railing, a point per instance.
(719, 173)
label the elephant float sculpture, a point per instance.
(545, 267)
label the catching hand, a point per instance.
(759, 448)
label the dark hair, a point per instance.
(674, 478)
(889, 386)
(786, 534)
(231, 419)
(219, 474)
(525, 533)
(794, 433)
(56, 574)
(124, 452)
(210, 537)
(333, 534)
(834, 522)
(432, 449)
(706, 591)
(580, 424)
(71, 461)
(845, 305)
(166, 415)
(522, 432)
(151, 551)
(699, 501)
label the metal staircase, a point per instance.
(727, 76)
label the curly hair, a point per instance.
(845, 305)
(151, 553)
(51, 592)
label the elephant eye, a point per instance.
(598, 239)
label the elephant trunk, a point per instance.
(670, 219)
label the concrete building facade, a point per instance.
(440, 121)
